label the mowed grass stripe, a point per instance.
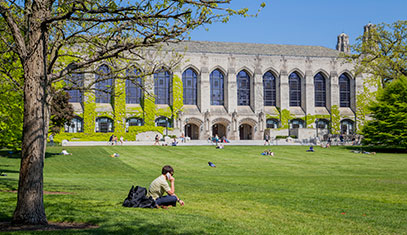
(330, 191)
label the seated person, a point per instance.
(311, 149)
(159, 186)
(174, 142)
(64, 152)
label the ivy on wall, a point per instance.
(335, 120)
(148, 111)
(178, 95)
(89, 112)
(119, 106)
(311, 119)
(285, 118)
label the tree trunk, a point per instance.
(30, 204)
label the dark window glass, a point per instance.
(322, 124)
(74, 126)
(272, 123)
(216, 80)
(163, 121)
(74, 81)
(347, 127)
(297, 123)
(189, 80)
(162, 87)
(269, 89)
(134, 122)
(134, 93)
(104, 124)
(320, 90)
(344, 91)
(243, 88)
(104, 85)
(295, 89)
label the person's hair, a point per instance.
(167, 169)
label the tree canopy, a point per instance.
(389, 113)
(46, 36)
(381, 52)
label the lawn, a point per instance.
(330, 191)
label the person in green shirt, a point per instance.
(159, 186)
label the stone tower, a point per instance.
(367, 31)
(343, 43)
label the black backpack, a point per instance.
(137, 198)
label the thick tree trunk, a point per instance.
(30, 204)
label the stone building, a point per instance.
(240, 91)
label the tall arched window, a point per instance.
(104, 84)
(269, 89)
(295, 89)
(162, 87)
(104, 124)
(243, 88)
(320, 90)
(216, 80)
(344, 91)
(74, 126)
(74, 81)
(134, 83)
(189, 81)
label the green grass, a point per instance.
(331, 191)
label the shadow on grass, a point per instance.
(10, 153)
(377, 149)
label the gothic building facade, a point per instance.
(241, 91)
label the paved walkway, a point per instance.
(188, 143)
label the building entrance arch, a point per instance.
(219, 129)
(191, 131)
(245, 132)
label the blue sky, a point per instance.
(303, 22)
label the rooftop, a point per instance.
(254, 49)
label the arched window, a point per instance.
(104, 124)
(344, 91)
(347, 127)
(162, 87)
(243, 88)
(74, 126)
(322, 124)
(104, 84)
(133, 122)
(272, 123)
(320, 90)
(164, 122)
(216, 80)
(269, 89)
(297, 123)
(74, 81)
(134, 83)
(295, 89)
(189, 81)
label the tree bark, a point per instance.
(30, 204)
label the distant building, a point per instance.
(236, 90)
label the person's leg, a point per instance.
(166, 201)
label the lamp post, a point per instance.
(166, 126)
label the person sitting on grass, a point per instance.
(267, 152)
(64, 152)
(159, 186)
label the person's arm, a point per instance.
(172, 191)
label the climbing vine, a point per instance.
(89, 112)
(178, 95)
(335, 120)
(119, 106)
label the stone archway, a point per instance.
(192, 131)
(219, 129)
(245, 132)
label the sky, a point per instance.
(303, 22)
